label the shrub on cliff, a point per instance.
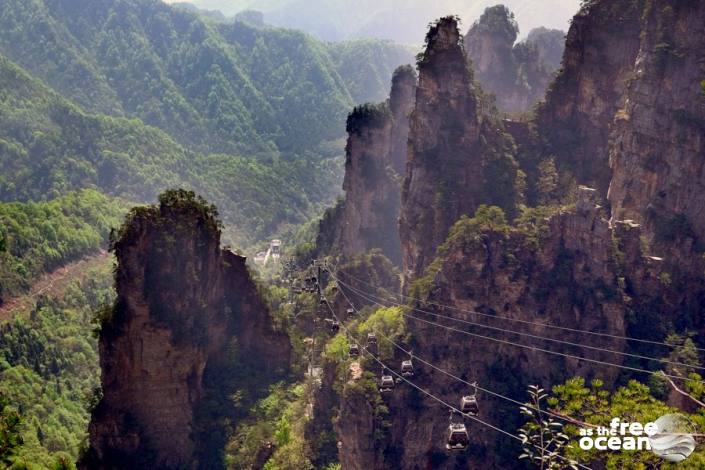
(367, 115)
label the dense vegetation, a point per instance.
(191, 103)
(227, 87)
(42, 236)
(49, 371)
(367, 80)
(636, 401)
(50, 146)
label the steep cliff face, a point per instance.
(550, 44)
(401, 103)
(458, 158)
(626, 112)
(372, 192)
(600, 53)
(514, 73)
(375, 157)
(658, 137)
(562, 269)
(187, 329)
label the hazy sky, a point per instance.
(402, 20)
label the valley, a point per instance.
(227, 244)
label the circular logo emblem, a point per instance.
(673, 441)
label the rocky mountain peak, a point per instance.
(187, 331)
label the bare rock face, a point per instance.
(457, 157)
(188, 330)
(375, 157)
(658, 137)
(601, 47)
(372, 192)
(401, 104)
(515, 73)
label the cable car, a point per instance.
(323, 301)
(334, 326)
(407, 368)
(350, 311)
(468, 405)
(371, 339)
(354, 350)
(457, 437)
(386, 384)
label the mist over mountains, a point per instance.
(398, 20)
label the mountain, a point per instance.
(51, 146)
(366, 218)
(171, 364)
(398, 20)
(459, 157)
(40, 237)
(517, 74)
(213, 87)
(515, 272)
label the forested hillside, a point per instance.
(38, 237)
(50, 146)
(134, 96)
(49, 372)
(214, 87)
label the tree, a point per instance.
(592, 404)
(543, 439)
(10, 439)
(548, 181)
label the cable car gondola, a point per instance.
(354, 351)
(371, 339)
(458, 438)
(334, 326)
(468, 403)
(407, 368)
(386, 384)
(350, 312)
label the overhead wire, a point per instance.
(521, 333)
(471, 384)
(439, 400)
(518, 320)
(524, 346)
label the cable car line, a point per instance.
(441, 401)
(535, 348)
(473, 384)
(520, 333)
(547, 351)
(503, 317)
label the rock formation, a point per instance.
(458, 157)
(550, 45)
(187, 332)
(517, 74)
(600, 52)
(375, 158)
(625, 113)
(657, 150)
(563, 269)
(371, 188)
(401, 103)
